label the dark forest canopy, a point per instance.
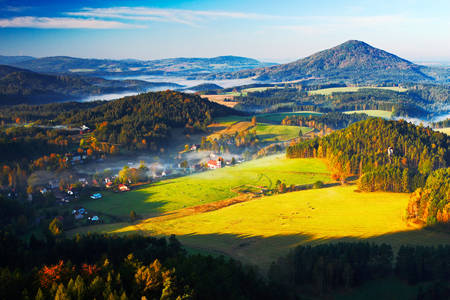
(332, 120)
(111, 267)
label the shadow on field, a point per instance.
(121, 204)
(262, 251)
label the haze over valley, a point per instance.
(148, 152)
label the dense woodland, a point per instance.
(325, 122)
(132, 267)
(326, 268)
(110, 267)
(431, 203)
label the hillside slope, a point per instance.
(20, 86)
(352, 61)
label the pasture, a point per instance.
(444, 130)
(278, 117)
(206, 187)
(274, 118)
(274, 133)
(373, 113)
(348, 89)
(260, 230)
(227, 100)
(265, 132)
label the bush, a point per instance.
(318, 185)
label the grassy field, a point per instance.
(260, 230)
(265, 132)
(226, 100)
(373, 113)
(444, 130)
(210, 186)
(278, 117)
(329, 91)
(229, 120)
(273, 133)
(264, 118)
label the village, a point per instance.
(68, 191)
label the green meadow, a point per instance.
(210, 186)
(273, 133)
(373, 113)
(347, 89)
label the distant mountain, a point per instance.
(353, 61)
(5, 60)
(18, 86)
(108, 67)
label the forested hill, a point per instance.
(362, 148)
(19, 86)
(141, 121)
(352, 62)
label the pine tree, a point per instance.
(39, 295)
(405, 181)
(133, 216)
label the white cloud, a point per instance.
(63, 23)
(189, 17)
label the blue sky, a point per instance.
(268, 30)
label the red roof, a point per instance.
(212, 162)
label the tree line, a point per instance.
(328, 268)
(111, 267)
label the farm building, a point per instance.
(123, 188)
(214, 164)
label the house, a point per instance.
(123, 188)
(214, 164)
(96, 196)
(195, 147)
(95, 219)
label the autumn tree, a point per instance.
(55, 227)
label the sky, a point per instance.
(277, 31)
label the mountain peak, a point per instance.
(352, 61)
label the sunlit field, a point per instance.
(373, 113)
(265, 132)
(265, 118)
(210, 186)
(444, 130)
(260, 230)
(329, 91)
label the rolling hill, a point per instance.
(20, 86)
(103, 67)
(353, 61)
